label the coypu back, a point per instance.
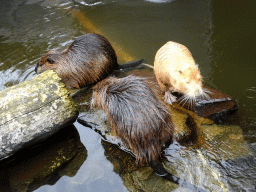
(89, 59)
(136, 115)
(177, 71)
(93, 59)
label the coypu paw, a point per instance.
(169, 98)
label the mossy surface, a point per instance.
(33, 110)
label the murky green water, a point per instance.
(220, 35)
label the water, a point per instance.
(220, 35)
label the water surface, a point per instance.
(220, 35)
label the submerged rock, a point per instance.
(201, 137)
(225, 142)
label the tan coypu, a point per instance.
(176, 71)
(136, 115)
(89, 59)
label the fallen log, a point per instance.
(32, 111)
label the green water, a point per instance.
(219, 34)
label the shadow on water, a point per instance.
(220, 35)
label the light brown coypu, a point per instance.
(136, 115)
(176, 71)
(89, 59)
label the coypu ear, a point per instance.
(49, 60)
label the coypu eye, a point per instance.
(49, 60)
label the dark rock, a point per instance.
(217, 105)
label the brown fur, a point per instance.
(89, 59)
(176, 71)
(136, 115)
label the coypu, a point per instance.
(89, 59)
(139, 118)
(136, 115)
(176, 71)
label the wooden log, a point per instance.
(32, 111)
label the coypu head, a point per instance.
(189, 82)
(48, 61)
(136, 115)
(89, 59)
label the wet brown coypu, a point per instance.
(136, 115)
(89, 59)
(139, 118)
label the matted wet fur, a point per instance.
(89, 59)
(136, 115)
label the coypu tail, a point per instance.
(147, 65)
(162, 172)
(130, 65)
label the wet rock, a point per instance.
(138, 177)
(135, 177)
(216, 106)
(193, 166)
(225, 142)
(122, 163)
(97, 121)
(44, 164)
(240, 173)
(32, 111)
(188, 126)
(181, 161)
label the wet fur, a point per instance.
(176, 71)
(89, 59)
(136, 115)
